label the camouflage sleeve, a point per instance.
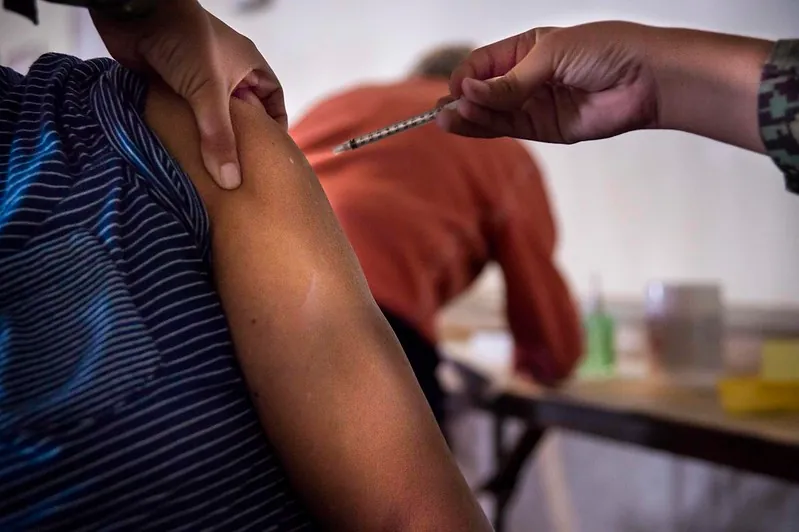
(778, 109)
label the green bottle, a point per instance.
(600, 351)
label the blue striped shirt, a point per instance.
(121, 403)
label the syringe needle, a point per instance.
(341, 148)
(393, 129)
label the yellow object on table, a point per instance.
(780, 361)
(753, 395)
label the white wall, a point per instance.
(21, 42)
(655, 204)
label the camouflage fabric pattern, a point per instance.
(778, 109)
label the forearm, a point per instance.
(546, 327)
(708, 83)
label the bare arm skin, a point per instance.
(708, 83)
(333, 388)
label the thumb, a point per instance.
(511, 90)
(211, 106)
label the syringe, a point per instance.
(393, 129)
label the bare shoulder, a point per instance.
(272, 165)
(280, 209)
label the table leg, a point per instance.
(500, 421)
(503, 483)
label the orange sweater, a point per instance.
(425, 211)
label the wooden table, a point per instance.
(682, 420)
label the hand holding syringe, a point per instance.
(393, 129)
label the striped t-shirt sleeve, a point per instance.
(122, 405)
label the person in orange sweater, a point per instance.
(426, 211)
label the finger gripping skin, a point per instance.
(211, 107)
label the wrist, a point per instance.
(708, 83)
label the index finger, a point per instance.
(270, 92)
(275, 105)
(491, 61)
(211, 107)
(497, 59)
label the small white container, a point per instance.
(685, 332)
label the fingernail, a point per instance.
(229, 176)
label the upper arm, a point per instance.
(332, 386)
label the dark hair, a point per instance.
(442, 61)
